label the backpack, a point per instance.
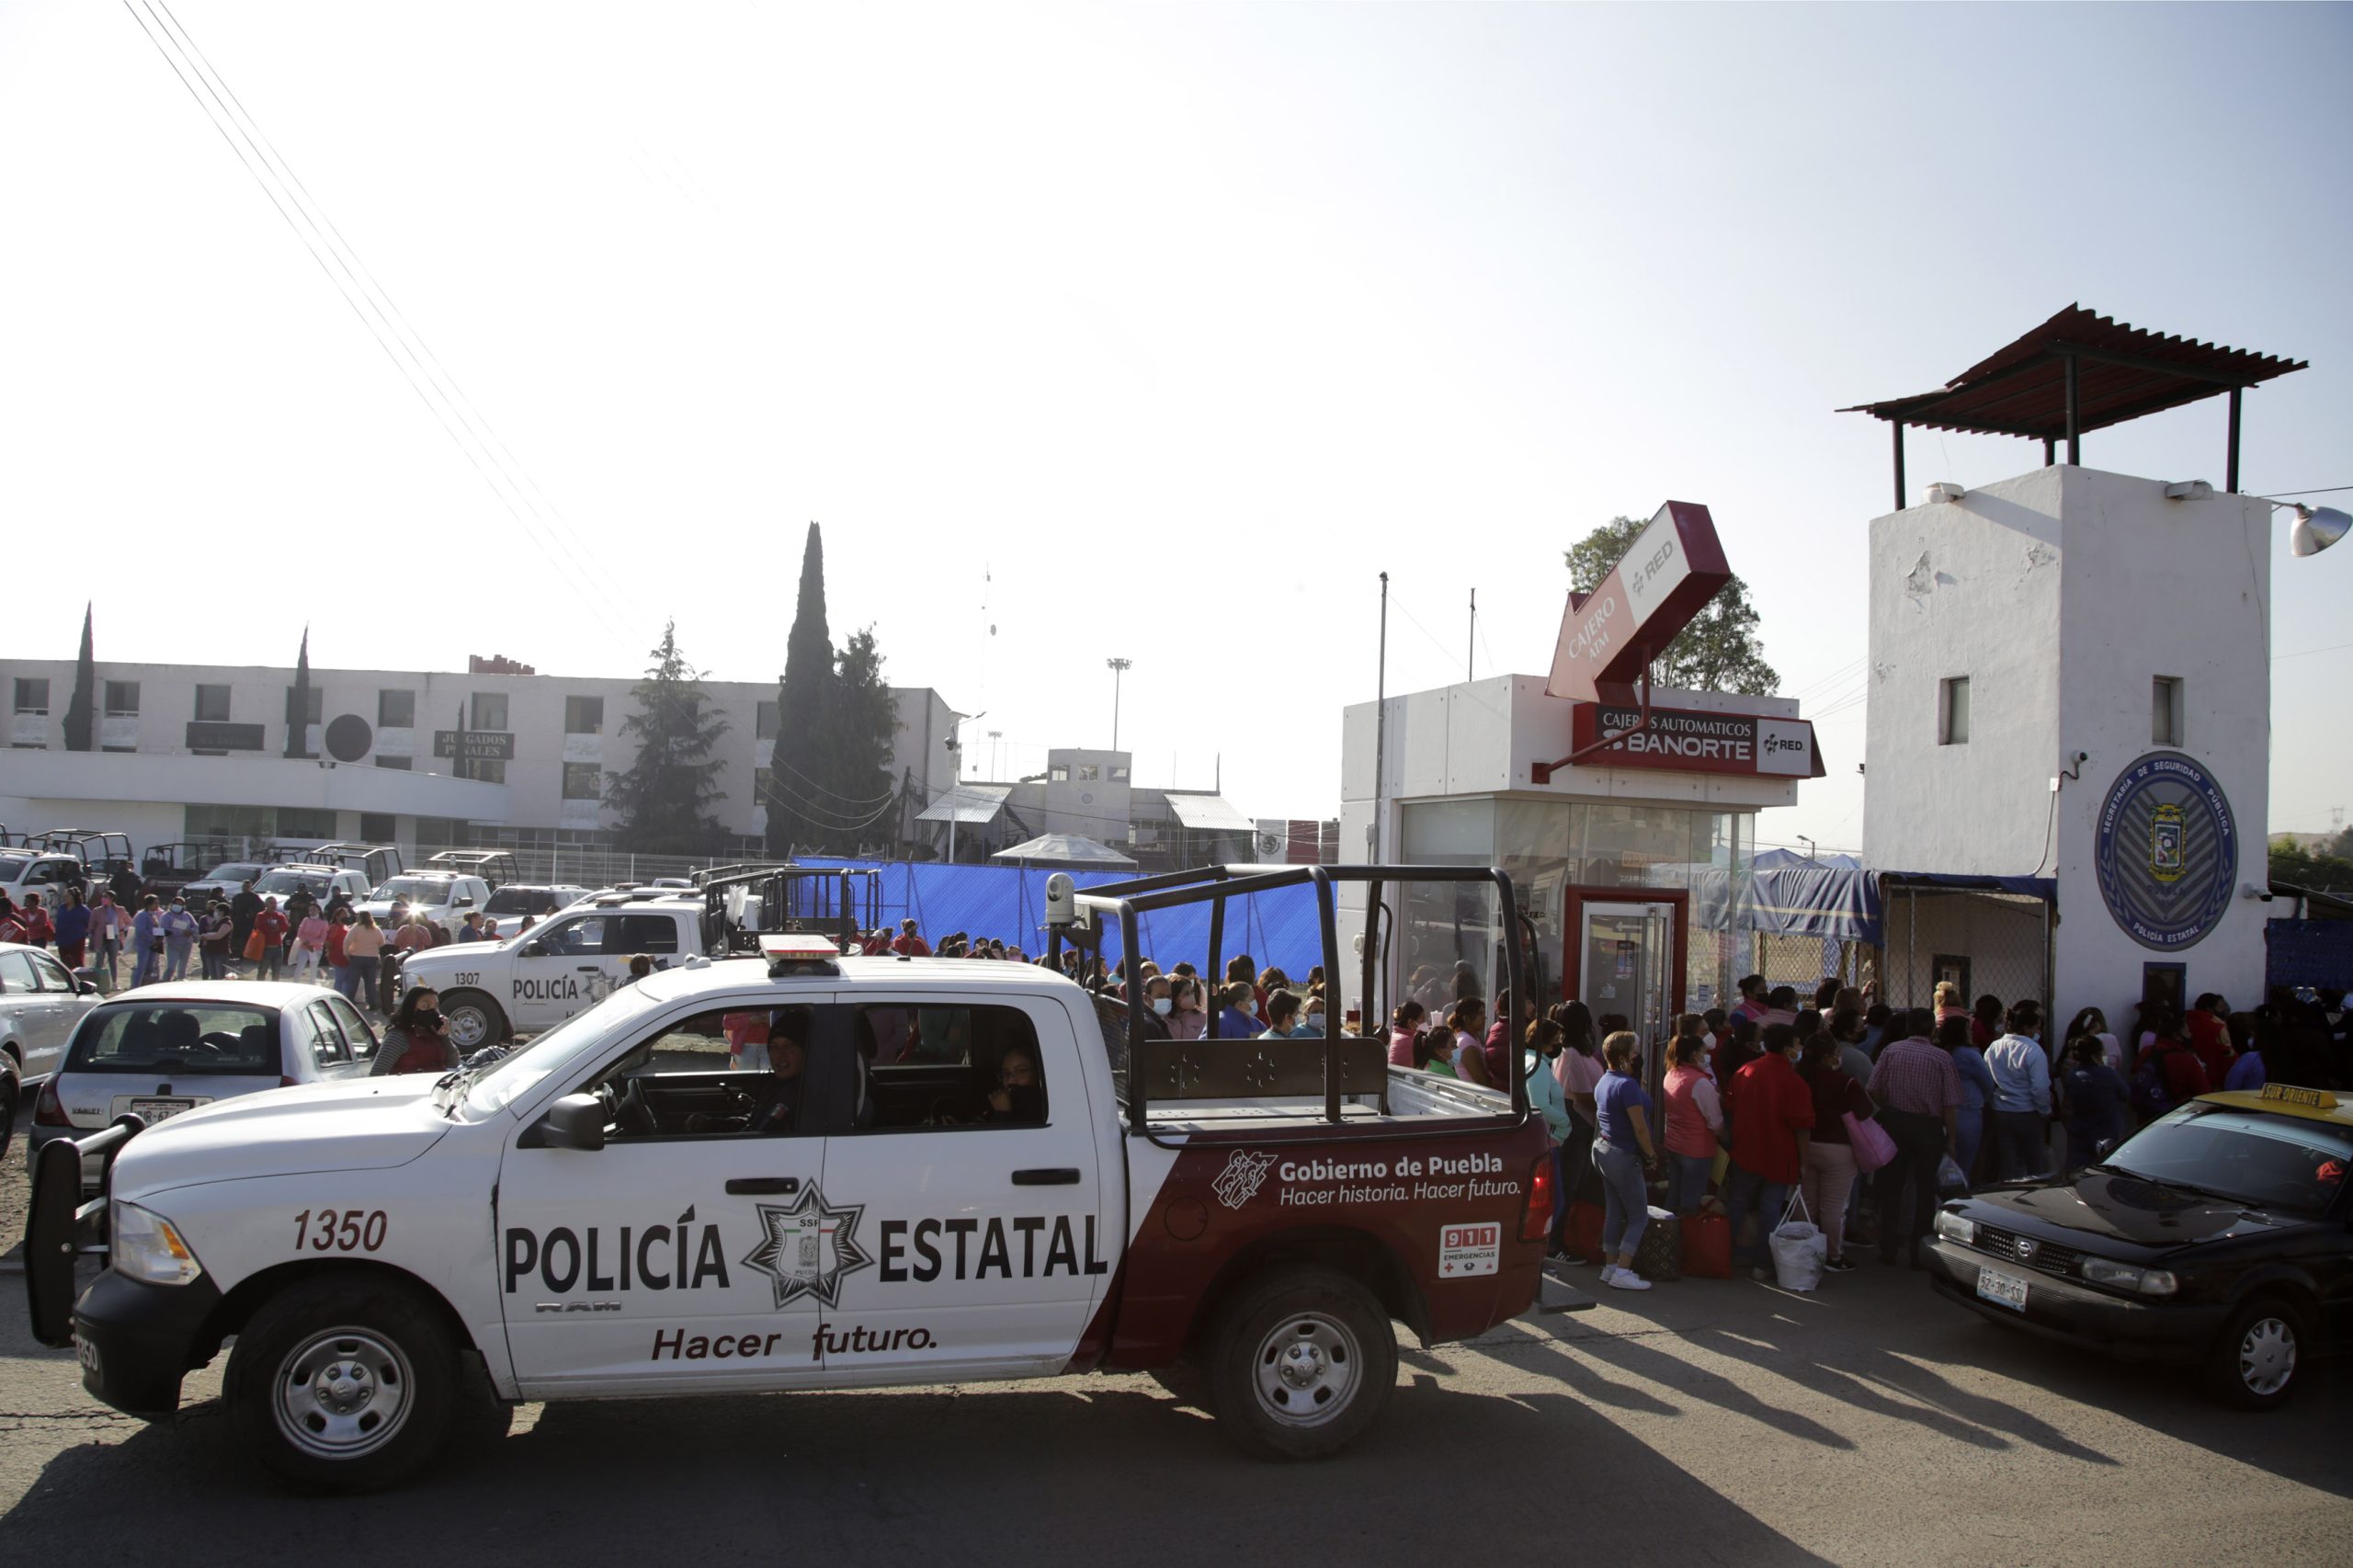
(2150, 1096)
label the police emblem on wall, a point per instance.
(2168, 850)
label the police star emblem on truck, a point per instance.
(806, 1249)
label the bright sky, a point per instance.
(1153, 333)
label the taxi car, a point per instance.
(2220, 1235)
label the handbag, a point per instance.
(254, 945)
(1872, 1146)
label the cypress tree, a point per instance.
(803, 697)
(78, 727)
(298, 703)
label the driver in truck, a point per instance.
(779, 1100)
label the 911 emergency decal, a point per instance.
(807, 1248)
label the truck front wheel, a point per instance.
(474, 1020)
(1301, 1362)
(343, 1383)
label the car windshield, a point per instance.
(512, 900)
(2265, 1161)
(524, 1068)
(428, 888)
(182, 1038)
(235, 872)
(13, 867)
(278, 884)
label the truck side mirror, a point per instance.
(535, 949)
(576, 1121)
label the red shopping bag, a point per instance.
(1707, 1247)
(1583, 1237)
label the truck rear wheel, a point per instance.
(1301, 1362)
(474, 1020)
(343, 1383)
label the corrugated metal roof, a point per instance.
(1063, 849)
(2121, 372)
(967, 803)
(1208, 814)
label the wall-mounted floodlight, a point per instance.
(2315, 527)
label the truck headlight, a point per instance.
(2124, 1276)
(1953, 1228)
(146, 1247)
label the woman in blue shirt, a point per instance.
(1978, 1094)
(2097, 1097)
(1622, 1154)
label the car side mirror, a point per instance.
(86, 988)
(466, 903)
(576, 1121)
(2104, 1148)
(535, 949)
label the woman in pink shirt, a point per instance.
(1694, 1118)
(310, 942)
(1404, 1029)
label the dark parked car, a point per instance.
(2220, 1235)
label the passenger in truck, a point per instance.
(1017, 1101)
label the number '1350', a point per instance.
(339, 1229)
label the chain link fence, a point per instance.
(1985, 943)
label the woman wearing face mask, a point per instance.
(1187, 1017)
(417, 1039)
(1311, 1019)
(1238, 1018)
(1156, 996)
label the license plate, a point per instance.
(2007, 1289)
(153, 1111)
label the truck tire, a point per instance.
(1302, 1359)
(475, 1020)
(343, 1383)
(2255, 1360)
(9, 1094)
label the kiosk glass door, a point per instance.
(1628, 965)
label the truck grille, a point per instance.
(2049, 1257)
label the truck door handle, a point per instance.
(746, 1186)
(1058, 1175)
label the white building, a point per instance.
(2071, 680)
(1092, 794)
(193, 752)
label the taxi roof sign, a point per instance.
(2312, 1099)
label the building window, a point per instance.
(377, 828)
(488, 770)
(1057, 774)
(118, 748)
(212, 704)
(306, 822)
(490, 711)
(122, 699)
(584, 716)
(2164, 710)
(764, 721)
(1090, 773)
(313, 700)
(583, 781)
(1953, 711)
(760, 777)
(1122, 773)
(397, 764)
(395, 710)
(32, 696)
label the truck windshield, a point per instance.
(12, 867)
(413, 888)
(280, 884)
(562, 1047)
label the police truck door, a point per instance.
(561, 971)
(690, 1250)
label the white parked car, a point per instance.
(442, 897)
(40, 1004)
(161, 1049)
(47, 874)
(324, 884)
(563, 966)
(224, 882)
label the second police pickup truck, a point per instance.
(948, 1172)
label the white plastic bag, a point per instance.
(1798, 1248)
(1949, 1177)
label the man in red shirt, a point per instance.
(1918, 1091)
(271, 927)
(1771, 1112)
(2210, 1037)
(911, 944)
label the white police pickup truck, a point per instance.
(561, 967)
(949, 1171)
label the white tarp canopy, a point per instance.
(1063, 849)
(1208, 814)
(967, 804)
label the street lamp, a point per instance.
(1119, 669)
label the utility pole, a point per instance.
(1380, 730)
(1119, 667)
(1469, 648)
(996, 760)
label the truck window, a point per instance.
(647, 934)
(934, 1067)
(584, 936)
(678, 1081)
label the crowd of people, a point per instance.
(247, 936)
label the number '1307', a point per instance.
(339, 1229)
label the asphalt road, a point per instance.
(1703, 1422)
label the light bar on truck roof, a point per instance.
(798, 952)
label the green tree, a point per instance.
(829, 781)
(1718, 652)
(298, 703)
(78, 726)
(664, 798)
(2313, 870)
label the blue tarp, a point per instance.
(1791, 896)
(1275, 928)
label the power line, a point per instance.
(175, 55)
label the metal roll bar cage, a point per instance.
(1213, 885)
